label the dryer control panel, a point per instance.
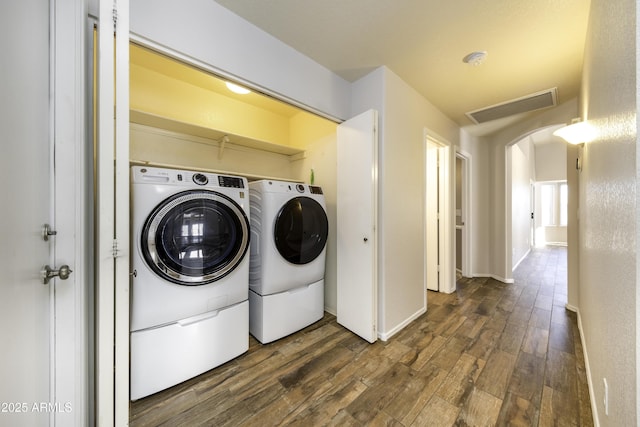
(315, 189)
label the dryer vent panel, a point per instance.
(535, 101)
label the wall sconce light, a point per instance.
(578, 132)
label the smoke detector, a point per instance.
(475, 58)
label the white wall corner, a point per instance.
(384, 336)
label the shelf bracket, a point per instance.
(223, 142)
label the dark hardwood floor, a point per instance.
(489, 354)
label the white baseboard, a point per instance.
(384, 336)
(587, 368)
(493, 276)
(521, 259)
(571, 308)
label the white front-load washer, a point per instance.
(289, 230)
(190, 274)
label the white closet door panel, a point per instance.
(356, 225)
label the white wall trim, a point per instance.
(71, 329)
(571, 308)
(384, 336)
(592, 396)
(105, 222)
(122, 212)
(330, 310)
(493, 276)
(521, 259)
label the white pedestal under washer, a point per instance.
(289, 230)
(190, 274)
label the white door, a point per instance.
(432, 212)
(356, 209)
(43, 358)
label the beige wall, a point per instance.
(404, 117)
(551, 161)
(608, 294)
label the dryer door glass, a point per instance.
(195, 237)
(301, 230)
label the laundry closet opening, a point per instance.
(187, 125)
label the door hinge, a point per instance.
(114, 248)
(114, 13)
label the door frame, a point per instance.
(446, 195)
(467, 197)
(431, 160)
(112, 213)
(70, 352)
(534, 213)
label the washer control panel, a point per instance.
(152, 175)
(230, 181)
(200, 179)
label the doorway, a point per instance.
(437, 211)
(532, 160)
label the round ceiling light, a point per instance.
(475, 58)
(237, 89)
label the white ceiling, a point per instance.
(532, 45)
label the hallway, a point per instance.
(489, 354)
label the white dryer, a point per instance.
(190, 274)
(289, 230)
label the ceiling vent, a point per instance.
(535, 101)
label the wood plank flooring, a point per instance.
(489, 354)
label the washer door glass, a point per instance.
(195, 237)
(301, 230)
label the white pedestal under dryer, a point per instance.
(190, 275)
(289, 230)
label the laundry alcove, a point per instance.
(182, 116)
